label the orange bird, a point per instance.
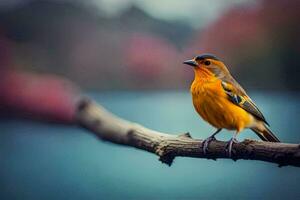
(223, 103)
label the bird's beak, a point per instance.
(191, 63)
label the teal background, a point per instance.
(48, 161)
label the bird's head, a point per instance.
(208, 63)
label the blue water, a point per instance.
(46, 161)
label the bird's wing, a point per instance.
(237, 95)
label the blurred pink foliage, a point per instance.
(135, 51)
(148, 56)
(246, 27)
(153, 62)
(256, 40)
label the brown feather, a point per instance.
(266, 134)
(232, 88)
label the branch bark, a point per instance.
(111, 128)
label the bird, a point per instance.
(222, 102)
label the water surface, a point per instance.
(46, 161)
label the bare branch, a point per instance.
(108, 127)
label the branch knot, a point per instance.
(165, 154)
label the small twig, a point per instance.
(116, 130)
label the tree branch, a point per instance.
(108, 127)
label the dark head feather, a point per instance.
(206, 56)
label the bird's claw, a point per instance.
(206, 143)
(229, 146)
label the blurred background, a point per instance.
(127, 55)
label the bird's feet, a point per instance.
(206, 143)
(229, 146)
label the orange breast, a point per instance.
(211, 102)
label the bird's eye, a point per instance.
(207, 62)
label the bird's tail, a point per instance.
(265, 134)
